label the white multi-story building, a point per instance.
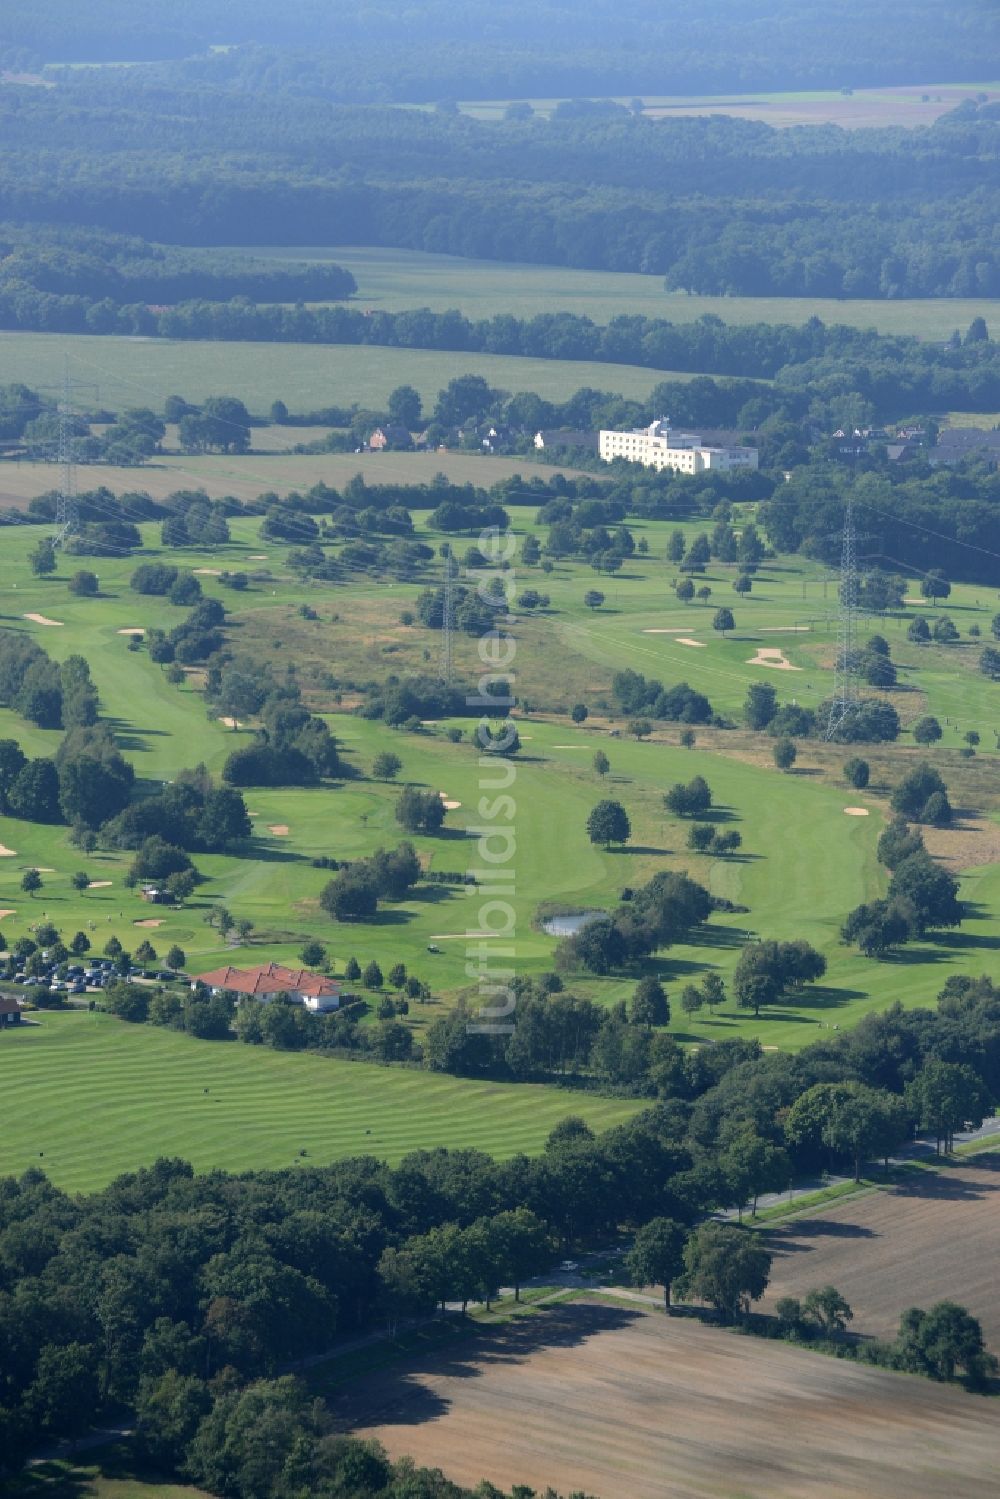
(659, 446)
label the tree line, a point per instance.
(168, 1294)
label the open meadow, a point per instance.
(88, 1097)
(793, 886)
(905, 105)
(613, 1400)
(126, 371)
(392, 280)
(900, 1246)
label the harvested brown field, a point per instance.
(629, 1404)
(968, 843)
(248, 476)
(933, 1237)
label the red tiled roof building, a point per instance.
(266, 981)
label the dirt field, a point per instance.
(627, 1404)
(934, 1238)
(252, 475)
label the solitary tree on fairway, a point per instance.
(857, 773)
(692, 999)
(723, 620)
(176, 958)
(80, 880)
(608, 823)
(601, 763)
(386, 766)
(42, 558)
(649, 1005)
(761, 705)
(640, 727)
(989, 662)
(685, 590)
(657, 1255)
(935, 585)
(593, 598)
(714, 989)
(927, 730)
(785, 754)
(579, 713)
(372, 976)
(313, 955)
(31, 882)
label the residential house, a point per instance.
(391, 436)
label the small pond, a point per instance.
(571, 923)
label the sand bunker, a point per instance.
(99, 885)
(279, 829)
(7, 853)
(43, 869)
(132, 630)
(257, 557)
(569, 746)
(230, 723)
(40, 619)
(447, 802)
(698, 644)
(856, 811)
(10, 912)
(783, 629)
(768, 655)
(459, 936)
(207, 572)
(672, 630)
(150, 921)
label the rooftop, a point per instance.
(270, 978)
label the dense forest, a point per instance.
(714, 205)
(438, 48)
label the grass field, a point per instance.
(793, 887)
(87, 1097)
(144, 371)
(861, 1246)
(611, 1400)
(108, 1473)
(393, 280)
(905, 105)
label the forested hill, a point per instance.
(497, 48)
(716, 206)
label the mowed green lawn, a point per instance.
(87, 1097)
(395, 280)
(144, 371)
(804, 862)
